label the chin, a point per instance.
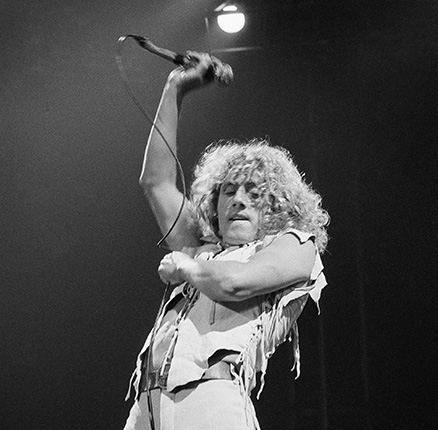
(240, 239)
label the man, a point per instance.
(245, 258)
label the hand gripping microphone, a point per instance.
(182, 60)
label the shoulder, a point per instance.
(287, 246)
(291, 235)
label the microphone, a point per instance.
(182, 60)
(178, 59)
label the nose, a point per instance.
(241, 197)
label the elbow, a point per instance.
(142, 184)
(144, 181)
(148, 185)
(152, 181)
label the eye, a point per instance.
(229, 189)
(254, 194)
(253, 191)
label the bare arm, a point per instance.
(283, 263)
(158, 176)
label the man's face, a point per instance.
(238, 211)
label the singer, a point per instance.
(245, 258)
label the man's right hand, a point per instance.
(205, 69)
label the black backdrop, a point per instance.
(349, 87)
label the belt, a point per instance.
(219, 370)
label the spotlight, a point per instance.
(230, 19)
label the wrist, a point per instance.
(188, 269)
(174, 90)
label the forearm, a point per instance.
(224, 281)
(284, 263)
(159, 164)
(216, 279)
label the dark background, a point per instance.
(350, 88)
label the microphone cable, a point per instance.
(149, 357)
(149, 118)
(130, 91)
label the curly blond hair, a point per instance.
(286, 201)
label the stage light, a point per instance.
(231, 20)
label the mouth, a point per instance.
(238, 217)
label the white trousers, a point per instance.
(215, 404)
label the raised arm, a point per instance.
(159, 175)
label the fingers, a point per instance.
(211, 68)
(168, 270)
(201, 70)
(223, 73)
(197, 63)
